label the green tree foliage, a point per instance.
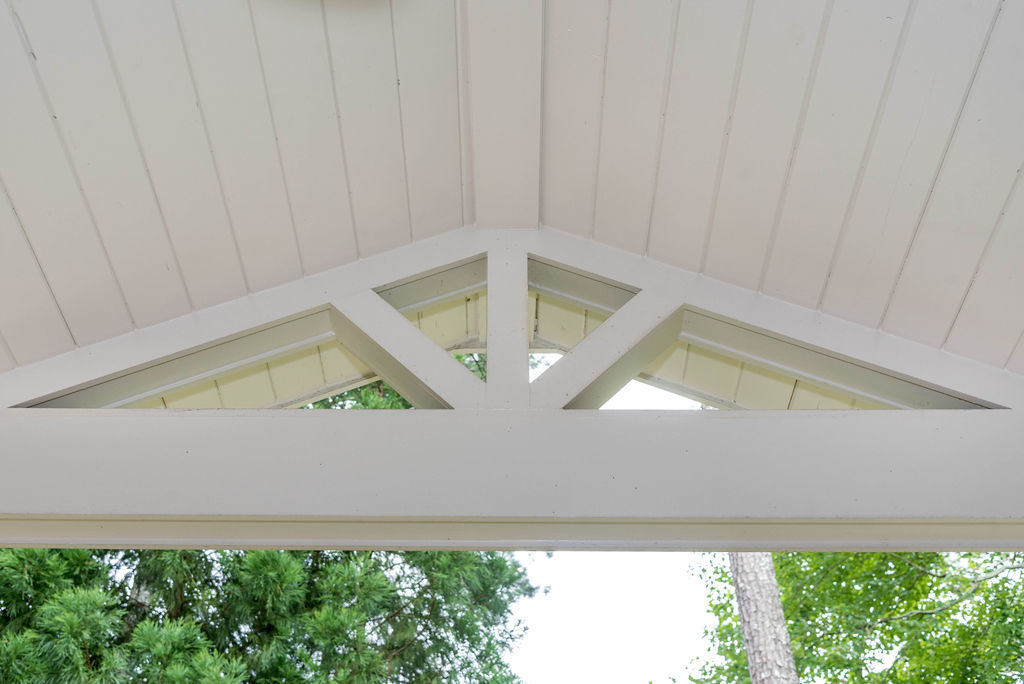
(886, 617)
(260, 616)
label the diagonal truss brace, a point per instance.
(407, 359)
(615, 353)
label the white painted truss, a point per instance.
(508, 468)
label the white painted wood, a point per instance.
(989, 324)
(30, 322)
(429, 91)
(930, 367)
(150, 61)
(709, 44)
(422, 372)
(508, 329)
(192, 366)
(89, 110)
(936, 64)
(598, 367)
(293, 51)
(143, 347)
(575, 38)
(981, 166)
(810, 365)
(848, 91)
(814, 479)
(505, 41)
(640, 42)
(43, 189)
(948, 372)
(6, 357)
(362, 49)
(221, 48)
(778, 63)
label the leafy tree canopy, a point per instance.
(886, 617)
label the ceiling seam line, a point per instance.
(726, 131)
(39, 265)
(600, 119)
(209, 146)
(666, 92)
(999, 222)
(277, 140)
(459, 105)
(540, 112)
(869, 148)
(798, 136)
(941, 164)
(401, 119)
(1017, 345)
(62, 141)
(341, 130)
(142, 155)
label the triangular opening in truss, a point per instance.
(565, 306)
(448, 305)
(727, 366)
(292, 363)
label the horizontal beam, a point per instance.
(554, 479)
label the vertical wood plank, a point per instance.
(504, 66)
(640, 39)
(293, 48)
(72, 60)
(977, 174)
(991, 319)
(149, 57)
(221, 48)
(30, 322)
(575, 34)
(429, 95)
(704, 71)
(940, 52)
(362, 50)
(777, 66)
(855, 64)
(43, 189)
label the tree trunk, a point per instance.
(765, 637)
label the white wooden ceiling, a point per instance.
(859, 157)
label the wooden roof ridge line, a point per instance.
(509, 250)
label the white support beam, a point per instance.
(604, 361)
(646, 480)
(508, 334)
(422, 372)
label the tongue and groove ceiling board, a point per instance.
(859, 159)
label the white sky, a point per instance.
(611, 617)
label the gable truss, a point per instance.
(504, 469)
